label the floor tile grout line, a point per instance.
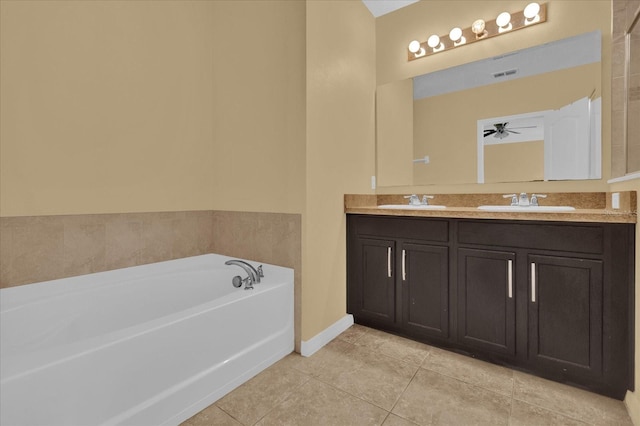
(288, 395)
(359, 397)
(513, 386)
(351, 394)
(403, 391)
(466, 382)
(279, 403)
(554, 411)
(227, 413)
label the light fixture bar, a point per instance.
(491, 29)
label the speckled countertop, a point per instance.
(589, 207)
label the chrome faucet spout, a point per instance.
(253, 273)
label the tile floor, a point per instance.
(367, 377)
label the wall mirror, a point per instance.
(442, 134)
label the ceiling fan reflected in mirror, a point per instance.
(501, 131)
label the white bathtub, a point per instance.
(147, 345)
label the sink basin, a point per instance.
(527, 209)
(411, 207)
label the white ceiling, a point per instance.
(381, 7)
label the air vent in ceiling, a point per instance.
(505, 73)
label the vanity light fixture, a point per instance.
(533, 13)
(478, 27)
(416, 49)
(455, 35)
(434, 43)
(504, 22)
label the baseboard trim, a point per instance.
(632, 401)
(311, 346)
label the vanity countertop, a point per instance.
(589, 207)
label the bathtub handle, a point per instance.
(237, 281)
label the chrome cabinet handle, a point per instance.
(404, 269)
(389, 262)
(533, 282)
(510, 277)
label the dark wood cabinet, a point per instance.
(399, 276)
(425, 289)
(486, 300)
(565, 315)
(372, 280)
(551, 298)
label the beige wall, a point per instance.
(106, 107)
(340, 148)
(118, 106)
(394, 32)
(258, 117)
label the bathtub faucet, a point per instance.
(253, 274)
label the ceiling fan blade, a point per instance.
(511, 131)
(489, 132)
(524, 127)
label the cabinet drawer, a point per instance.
(538, 235)
(405, 228)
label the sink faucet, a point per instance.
(253, 274)
(415, 201)
(523, 199)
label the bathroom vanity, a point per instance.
(552, 297)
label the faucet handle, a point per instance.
(514, 198)
(426, 198)
(260, 273)
(534, 198)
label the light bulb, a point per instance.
(414, 46)
(531, 11)
(433, 41)
(455, 34)
(478, 27)
(503, 19)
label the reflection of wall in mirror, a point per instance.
(445, 126)
(511, 162)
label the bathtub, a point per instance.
(147, 345)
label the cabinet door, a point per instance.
(371, 288)
(424, 272)
(565, 315)
(486, 300)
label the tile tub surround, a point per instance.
(368, 377)
(42, 248)
(590, 206)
